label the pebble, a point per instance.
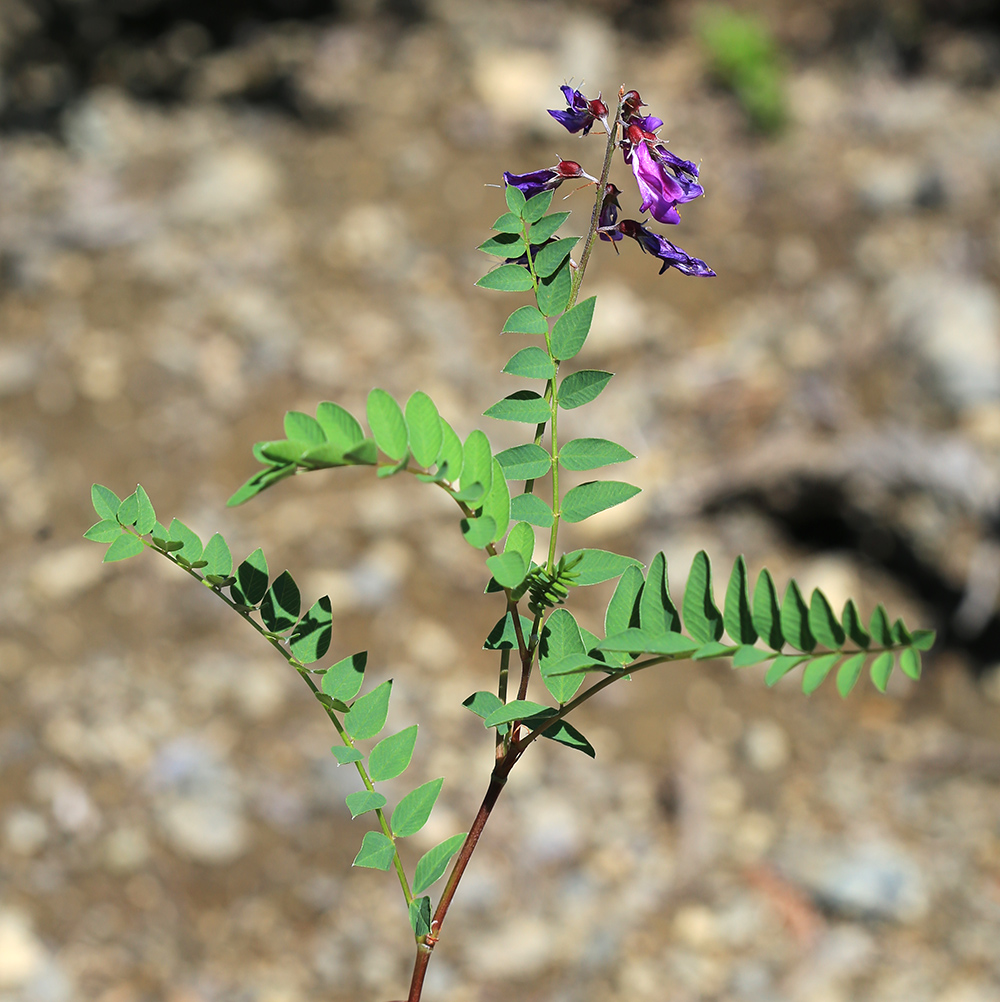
(227, 185)
(62, 574)
(766, 745)
(22, 953)
(25, 831)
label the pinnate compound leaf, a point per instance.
(553, 293)
(414, 809)
(524, 405)
(508, 568)
(524, 462)
(377, 851)
(782, 665)
(531, 508)
(623, 609)
(125, 546)
(657, 612)
(571, 329)
(392, 754)
(747, 655)
(433, 863)
(739, 615)
(881, 669)
(128, 510)
(251, 579)
(552, 255)
(526, 320)
(816, 671)
(303, 428)
(344, 679)
(366, 716)
(701, 615)
(517, 709)
(339, 426)
(591, 453)
(106, 502)
(281, 605)
(312, 634)
(515, 200)
(853, 626)
(767, 611)
(344, 754)
(362, 801)
(546, 226)
(909, 662)
(478, 532)
(220, 560)
(509, 222)
(424, 424)
(531, 363)
(849, 673)
(105, 531)
(579, 388)
(595, 566)
(146, 516)
(521, 541)
(478, 463)
(597, 495)
(795, 619)
(880, 629)
(496, 503)
(823, 623)
(536, 206)
(420, 915)
(507, 278)
(387, 424)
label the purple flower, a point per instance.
(648, 123)
(671, 255)
(607, 227)
(546, 179)
(581, 113)
(661, 188)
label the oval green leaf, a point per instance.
(598, 495)
(387, 424)
(433, 863)
(366, 716)
(591, 453)
(524, 462)
(424, 424)
(507, 278)
(531, 363)
(525, 405)
(392, 754)
(526, 320)
(414, 809)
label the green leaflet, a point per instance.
(767, 611)
(433, 863)
(782, 665)
(579, 388)
(623, 609)
(536, 206)
(367, 715)
(571, 329)
(553, 293)
(666, 644)
(280, 608)
(531, 508)
(909, 662)
(477, 467)
(880, 629)
(191, 551)
(817, 670)
(524, 405)
(521, 540)
(496, 503)
(795, 619)
(823, 623)
(261, 481)
(560, 638)
(516, 709)
(552, 255)
(414, 809)
(451, 456)
(339, 426)
(303, 428)
(219, 559)
(701, 615)
(508, 568)
(424, 425)
(282, 450)
(312, 634)
(387, 424)
(524, 462)
(509, 222)
(478, 532)
(128, 510)
(125, 546)
(747, 655)
(567, 734)
(546, 227)
(849, 673)
(507, 278)
(515, 200)
(344, 679)
(106, 502)
(526, 320)
(392, 755)
(251, 579)
(145, 516)
(597, 495)
(420, 916)
(711, 650)
(595, 566)
(377, 851)
(105, 531)
(739, 616)
(591, 453)
(363, 801)
(503, 245)
(881, 669)
(531, 363)
(483, 703)
(345, 754)
(657, 612)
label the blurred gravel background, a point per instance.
(212, 213)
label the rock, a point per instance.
(22, 953)
(766, 745)
(227, 185)
(64, 573)
(25, 831)
(953, 323)
(126, 849)
(18, 368)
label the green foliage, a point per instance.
(596, 495)
(433, 863)
(531, 508)
(344, 679)
(526, 320)
(392, 754)
(367, 715)
(363, 801)
(524, 405)
(591, 453)
(412, 812)
(553, 293)
(507, 278)
(377, 851)
(420, 916)
(531, 363)
(581, 387)
(311, 637)
(560, 639)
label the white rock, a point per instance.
(66, 572)
(766, 745)
(25, 831)
(22, 954)
(227, 185)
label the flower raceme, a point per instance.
(665, 181)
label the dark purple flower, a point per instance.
(607, 226)
(662, 186)
(648, 123)
(546, 179)
(581, 113)
(660, 247)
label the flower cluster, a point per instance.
(665, 181)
